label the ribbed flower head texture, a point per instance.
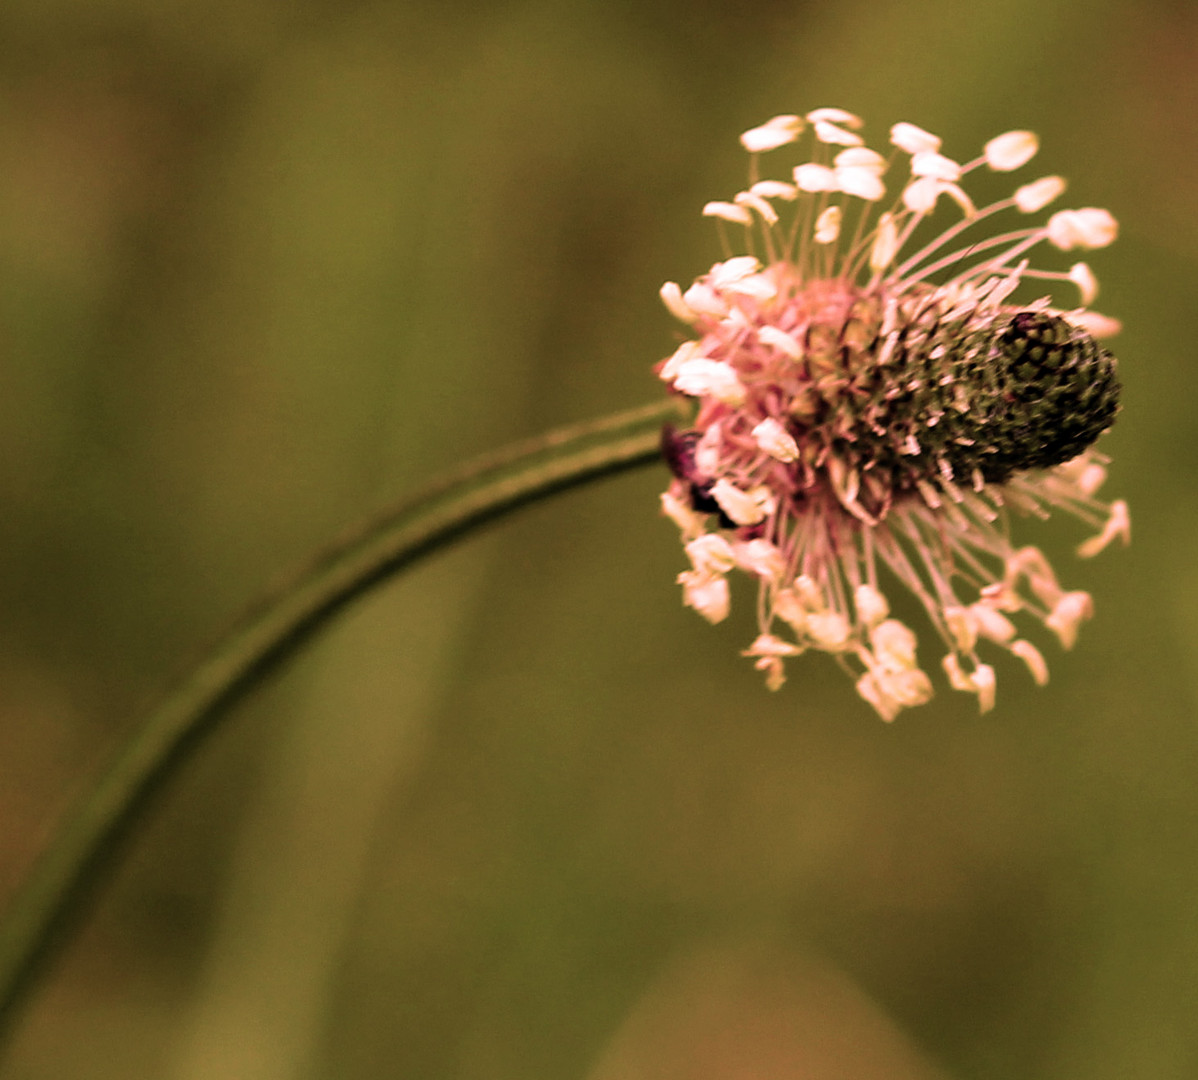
(872, 407)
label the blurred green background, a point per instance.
(267, 264)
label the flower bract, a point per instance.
(877, 397)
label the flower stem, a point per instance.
(83, 845)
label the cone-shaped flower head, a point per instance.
(874, 397)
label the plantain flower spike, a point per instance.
(876, 399)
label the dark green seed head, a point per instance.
(1026, 391)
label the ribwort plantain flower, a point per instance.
(868, 393)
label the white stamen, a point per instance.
(936, 166)
(703, 300)
(775, 189)
(992, 623)
(871, 605)
(836, 136)
(1083, 277)
(771, 645)
(1039, 193)
(829, 630)
(775, 132)
(860, 181)
(688, 350)
(759, 203)
(711, 554)
(731, 270)
(760, 558)
(671, 296)
(860, 157)
(738, 215)
(1066, 617)
(743, 507)
(920, 195)
(1030, 655)
(827, 226)
(913, 140)
(708, 595)
(834, 116)
(812, 177)
(1087, 228)
(984, 685)
(886, 244)
(779, 339)
(1118, 524)
(703, 377)
(1094, 323)
(775, 440)
(894, 645)
(1007, 152)
(962, 627)
(689, 521)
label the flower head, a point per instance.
(872, 404)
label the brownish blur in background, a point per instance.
(266, 264)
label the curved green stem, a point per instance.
(271, 631)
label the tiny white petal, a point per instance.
(774, 189)
(937, 166)
(1039, 193)
(1083, 277)
(779, 339)
(775, 440)
(702, 377)
(885, 244)
(738, 215)
(827, 225)
(912, 139)
(813, 177)
(836, 136)
(775, 132)
(1011, 150)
